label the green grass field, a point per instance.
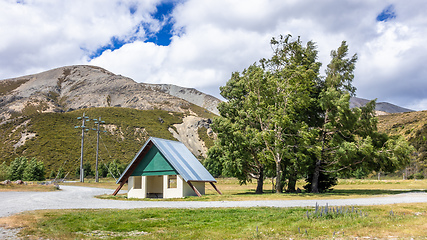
(406, 221)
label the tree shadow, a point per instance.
(338, 192)
(346, 192)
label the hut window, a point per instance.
(137, 184)
(172, 183)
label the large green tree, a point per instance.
(348, 138)
(238, 152)
(3, 171)
(281, 104)
(281, 116)
(261, 123)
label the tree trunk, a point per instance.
(278, 177)
(272, 184)
(292, 182)
(316, 175)
(315, 182)
(260, 182)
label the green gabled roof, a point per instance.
(154, 163)
(164, 157)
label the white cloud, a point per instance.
(138, 60)
(391, 65)
(40, 35)
(213, 38)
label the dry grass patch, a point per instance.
(21, 220)
(362, 184)
(29, 187)
(108, 183)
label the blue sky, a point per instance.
(198, 44)
(387, 14)
(161, 37)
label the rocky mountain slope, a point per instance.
(75, 87)
(382, 108)
(189, 94)
(24, 101)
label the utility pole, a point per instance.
(97, 122)
(83, 127)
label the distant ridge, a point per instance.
(380, 106)
(83, 86)
(188, 94)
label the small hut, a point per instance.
(165, 169)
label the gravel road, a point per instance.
(73, 197)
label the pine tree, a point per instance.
(281, 116)
(3, 171)
(348, 138)
(262, 123)
(34, 171)
(16, 168)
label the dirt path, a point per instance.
(73, 197)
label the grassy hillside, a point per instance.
(57, 141)
(413, 126)
(407, 124)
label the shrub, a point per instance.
(16, 168)
(116, 168)
(102, 170)
(3, 171)
(34, 171)
(61, 172)
(52, 174)
(87, 170)
(418, 175)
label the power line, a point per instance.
(97, 122)
(110, 158)
(103, 160)
(84, 128)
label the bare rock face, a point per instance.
(74, 87)
(381, 108)
(189, 94)
(187, 134)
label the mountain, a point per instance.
(38, 113)
(76, 87)
(382, 108)
(189, 94)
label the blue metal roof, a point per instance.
(181, 159)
